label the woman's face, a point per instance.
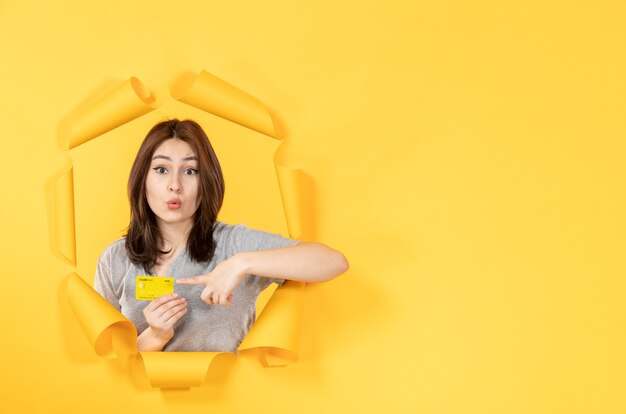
(172, 183)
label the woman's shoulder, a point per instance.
(240, 237)
(115, 250)
(225, 232)
(222, 229)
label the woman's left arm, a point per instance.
(304, 262)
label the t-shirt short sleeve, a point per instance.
(103, 283)
(240, 238)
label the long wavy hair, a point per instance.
(143, 236)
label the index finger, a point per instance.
(196, 280)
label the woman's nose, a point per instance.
(174, 184)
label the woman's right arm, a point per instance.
(161, 315)
(103, 283)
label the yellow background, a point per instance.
(468, 158)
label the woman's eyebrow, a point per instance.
(165, 157)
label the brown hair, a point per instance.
(143, 233)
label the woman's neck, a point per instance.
(174, 236)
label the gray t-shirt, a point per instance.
(204, 327)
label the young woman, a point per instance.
(176, 190)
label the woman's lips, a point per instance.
(173, 204)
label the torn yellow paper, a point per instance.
(63, 205)
(297, 192)
(274, 336)
(177, 369)
(100, 321)
(128, 101)
(213, 95)
(268, 333)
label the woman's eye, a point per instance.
(191, 171)
(160, 170)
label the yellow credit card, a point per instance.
(151, 287)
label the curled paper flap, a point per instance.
(63, 227)
(102, 323)
(128, 101)
(276, 332)
(177, 369)
(215, 96)
(288, 182)
(296, 191)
